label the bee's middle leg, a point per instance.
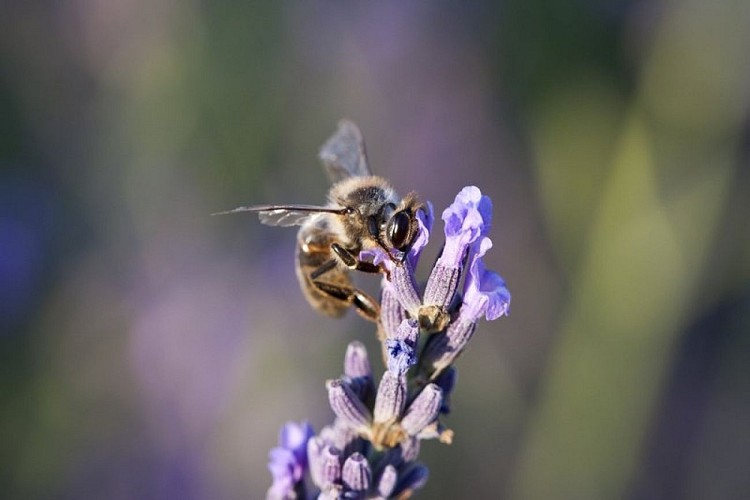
(364, 304)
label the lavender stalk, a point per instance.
(370, 449)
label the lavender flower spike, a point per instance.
(370, 449)
(288, 461)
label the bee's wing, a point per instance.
(343, 154)
(284, 215)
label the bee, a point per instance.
(363, 212)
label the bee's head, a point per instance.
(398, 225)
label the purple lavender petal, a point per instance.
(391, 398)
(346, 405)
(423, 410)
(485, 293)
(425, 219)
(356, 473)
(377, 256)
(466, 220)
(356, 362)
(402, 352)
(468, 204)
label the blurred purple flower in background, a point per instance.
(371, 448)
(288, 461)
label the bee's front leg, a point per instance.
(353, 263)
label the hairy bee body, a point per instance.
(363, 212)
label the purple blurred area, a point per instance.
(149, 350)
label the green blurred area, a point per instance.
(151, 351)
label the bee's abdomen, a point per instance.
(313, 251)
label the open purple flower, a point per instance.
(467, 221)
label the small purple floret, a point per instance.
(402, 348)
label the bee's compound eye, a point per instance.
(398, 230)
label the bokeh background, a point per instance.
(151, 351)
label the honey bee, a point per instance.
(363, 212)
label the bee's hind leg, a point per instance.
(364, 304)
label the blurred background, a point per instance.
(151, 351)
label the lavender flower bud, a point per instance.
(402, 352)
(401, 278)
(356, 473)
(391, 397)
(441, 286)
(331, 467)
(387, 482)
(405, 286)
(391, 312)
(356, 362)
(423, 410)
(346, 405)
